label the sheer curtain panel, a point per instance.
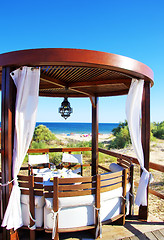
(26, 80)
(133, 113)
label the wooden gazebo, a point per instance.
(77, 73)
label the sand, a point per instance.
(83, 137)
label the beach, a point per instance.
(83, 137)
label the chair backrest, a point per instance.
(72, 158)
(72, 187)
(38, 159)
(31, 186)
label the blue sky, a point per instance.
(131, 28)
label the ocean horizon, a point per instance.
(77, 128)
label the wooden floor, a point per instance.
(132, 230)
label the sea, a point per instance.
(77, 128)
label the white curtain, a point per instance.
(26, 80)
(133, 113)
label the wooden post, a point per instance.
(95, 138)
(131, 190)
(125, 175)
(97, 203)
(32, 205)
(7, 136)
(56, 203)
(121, 221)
(143, 210)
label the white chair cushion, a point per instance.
(39, 200)
(39, 210)
(71, 201)
(114, 167)
(72, 158)
(38, 159)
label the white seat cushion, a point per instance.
(114, 167)
(39, 210)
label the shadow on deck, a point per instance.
(132, 230)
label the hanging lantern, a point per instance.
(65, 110)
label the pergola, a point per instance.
(75, 73)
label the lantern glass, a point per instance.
(65, 110)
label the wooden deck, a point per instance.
(132, 230)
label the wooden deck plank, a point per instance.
(158, 235)
(132, 230)
(150, 235)
(162, 231)
(134, 238)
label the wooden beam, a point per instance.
(7, 139)
(53, 81)
(95, 138)
(143, 210)
(56, 94)
(100, 82)
(61, 84)
(113, 93)
(82, 91)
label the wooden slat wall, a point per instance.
(111, 181)
(24, 183)
(69, 187)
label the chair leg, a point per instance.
(32, 234)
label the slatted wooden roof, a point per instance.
(79, 73)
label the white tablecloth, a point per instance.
(48, 174)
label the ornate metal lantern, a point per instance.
(65, 110)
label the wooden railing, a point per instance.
(46, 150)
(154, 166)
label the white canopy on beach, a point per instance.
(133, 113)
(27, 81)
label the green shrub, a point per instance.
(55, 157)
(79, 144)
(158, 130)
(38, 145)
(122, 137)
(121, 125)
(43, 134)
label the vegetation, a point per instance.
(44, 138)
(158, 130)
(122, 136)
(43, 134)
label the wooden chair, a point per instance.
(108, 183)
(36, 162)
(31, 188)
(127, 164)
(73, 187)
(72, 160)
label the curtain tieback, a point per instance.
(99, 225)
(54, 222)
(34, 220)
(6, 184)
